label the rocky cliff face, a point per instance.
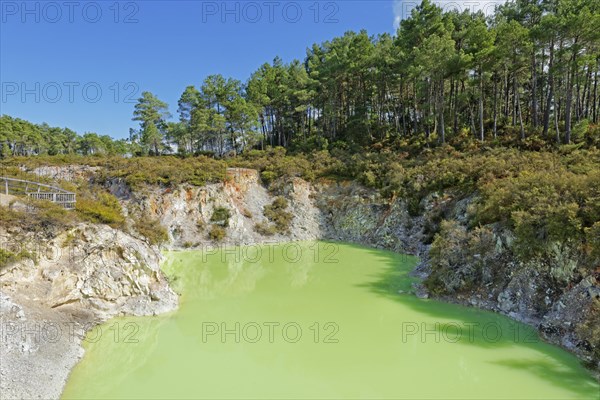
(94, 267)
(186, 211)
(335, 211)
(355, 214)
(75, 280)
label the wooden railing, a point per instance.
(38, 191)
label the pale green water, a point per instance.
(367, 343)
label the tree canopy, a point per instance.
(528, 73)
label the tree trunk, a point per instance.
(429, 110)
(569, 101)
(585, 101)
(415, 110)
(595, 101)
(506, 92)
(556, 122)
(534, 101)
(550, 90)
(441, 111)
(481, 133)
(520, 116)
(472, 118)
(515, 100)
(455, 111)
(495, 107)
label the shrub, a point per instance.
(165, 170)
(459, 258)
(276, 213)
(44, 214)
(265, 229)
(69, 240)
(445, 254)
(104, 210)
(431, 223)
(589, 330)
(542, 206)
(593, 243)
(40, 216)
(279, 203)
(137, 171)
(8, 257)
(414, 207)
(275, 163)
(221, 216)
(592, 136)
(268, 177)
(217, 233)
(580, 130)
(538, 228)
(152, 230)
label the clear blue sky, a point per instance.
(54, 57)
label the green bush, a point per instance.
(152, 230)
(459, 258)
(166, 170)
(413, 205)
(275, 163)
(542, 206)
(276, 213)
(592, 240)
(40, 216)
(265, 228)
(49, 214)
(279, 203)
(217, 233)
(268, 177)
(221, 216)
(7, 257)
(103, 211)
(136, 171)
(589, 330)
(592, 136)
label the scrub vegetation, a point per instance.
(279, 219)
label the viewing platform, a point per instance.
(38, 191)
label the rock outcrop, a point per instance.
(186, 211)
(75, 280)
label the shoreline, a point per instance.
(63, 355)
(47, 306)
(39, 366)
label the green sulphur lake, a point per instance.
(317, 320)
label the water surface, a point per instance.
(317, 320)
